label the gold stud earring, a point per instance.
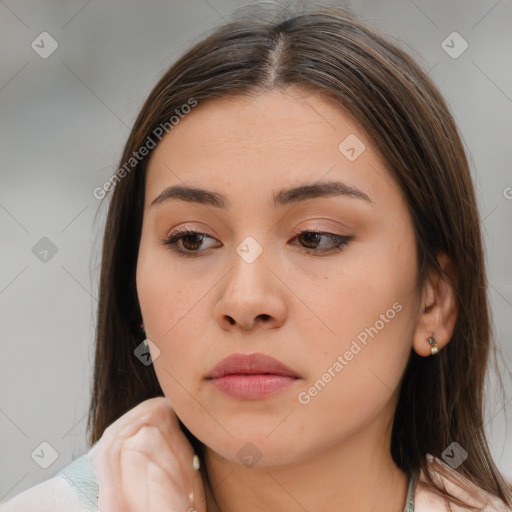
(433, 345)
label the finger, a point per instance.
(159, 412)
(169, 430)
(149, 442)
(157, 408)
(151, 476)
(105, 464)
(122, 468)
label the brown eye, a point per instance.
(192, 242)
(189, 240)
(311, 240)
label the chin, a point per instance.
(258, 449)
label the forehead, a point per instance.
(282, 138)
(287, 118)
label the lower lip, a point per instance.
(252, 387)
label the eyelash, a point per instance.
(172, 241)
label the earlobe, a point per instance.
(438, 311)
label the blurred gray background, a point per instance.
(64, 118)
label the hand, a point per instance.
(143, 462)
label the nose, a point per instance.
(252, 298)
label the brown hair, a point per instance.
(331, 52)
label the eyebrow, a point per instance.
(282, 198)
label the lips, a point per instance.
(251, 364)
(252, 376)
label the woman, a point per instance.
(293, 310)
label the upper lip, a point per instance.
(255, 363)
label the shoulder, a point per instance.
(52, 495)
(73, 489)
(427, 501)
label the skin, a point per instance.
(300, 306)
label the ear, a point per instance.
(438, 309)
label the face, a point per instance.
(321, 279)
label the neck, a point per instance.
(357, 474)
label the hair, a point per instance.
(331, 52)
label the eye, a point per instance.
(310, 239)
(190, 241)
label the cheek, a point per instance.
(174, 317)
(164, 293)
(360, 297)
(357, 372)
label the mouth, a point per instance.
(251, 376)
